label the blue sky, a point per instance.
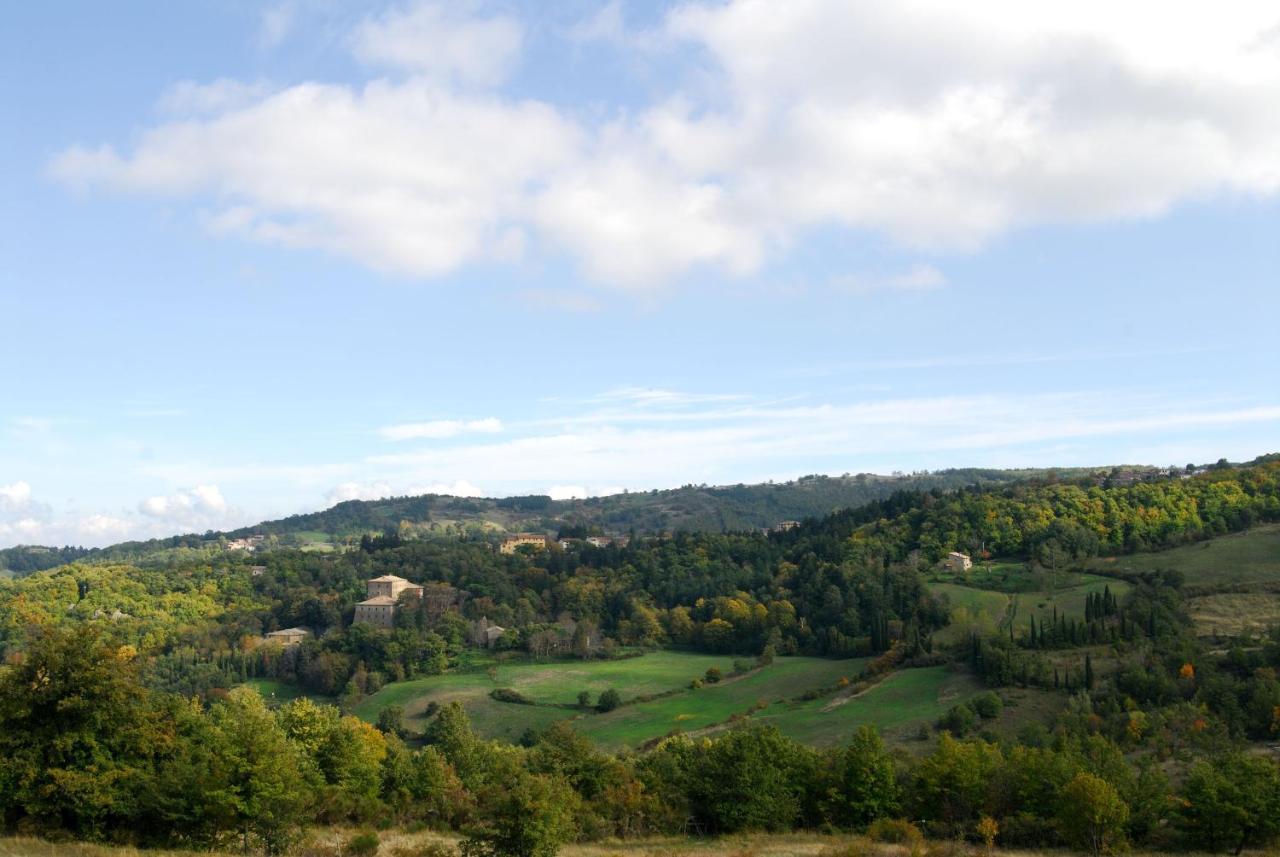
(257, 258)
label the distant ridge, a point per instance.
(719, 508)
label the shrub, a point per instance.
(506, 694)
(959, 720)
(609, 700)
(363, 845)
(695, 684)
(714, 675)
(741, 666)
(584, 699)
(987, 705)
(895, 831)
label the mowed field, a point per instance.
(555, 686)
(1251, 557)
(695, 710)
(899, 703)
(1030, 593)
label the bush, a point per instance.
(741, 667)
(895, 831)
(506, 694)
(987, 705)
(609, 700)
(363, 845)
(695, 684)
(714, 675)
(959, 720)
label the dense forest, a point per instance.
(121, 715)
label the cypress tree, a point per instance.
(1088, 672)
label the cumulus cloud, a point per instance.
(441, 40)
(440, 429)
(938, 125)
(15, 497)
(383, 488)
(199, 508)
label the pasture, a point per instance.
(899, 703)
(1251, 557)
(713, 704)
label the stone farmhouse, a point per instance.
(957, 562)
(510, 543)
(382, 596)
(289, 636)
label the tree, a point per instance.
(753, 778)
(1232, 802)
(609, 700)
(1091, 813)
(391, 720)
(584, 699)
(862, 784)
(264, 786)
(530, 817)
(77, 733)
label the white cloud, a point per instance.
(358, 491)
(189, 97)
(568, 492)
(917, 278)
(939, 125)
(15, 497)
(440, 429)
(442, 41)
(199, 508)
(383, 488)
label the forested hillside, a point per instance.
(691, 508)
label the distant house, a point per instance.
(257, 570)
(783, 526)
(957, 562)
(248, 543)
(289, 636)
(486, 633)
(382, 595)
(599, 541)
(510, 543)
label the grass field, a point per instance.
(276, 692)
(1235, 613)
(555, 686)
(551, 684)
(694, 710)
(897, 705)
(1240, 558)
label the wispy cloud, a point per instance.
(440, 429)
(917, 278)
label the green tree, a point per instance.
(753, 778)
(264, 783)
(862, 785)
(1091, 813)
(77, 734)
(1232, 802)
(609, 700)
(532, 816)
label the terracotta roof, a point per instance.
(378, 601)
(388, 578)
(288, 632)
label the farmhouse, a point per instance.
(383, 594)
(510, 543)
(289, 636)
(957, 562)
(486, 633)
(248, 543)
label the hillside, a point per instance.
(692, 508)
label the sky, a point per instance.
(259, 258)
